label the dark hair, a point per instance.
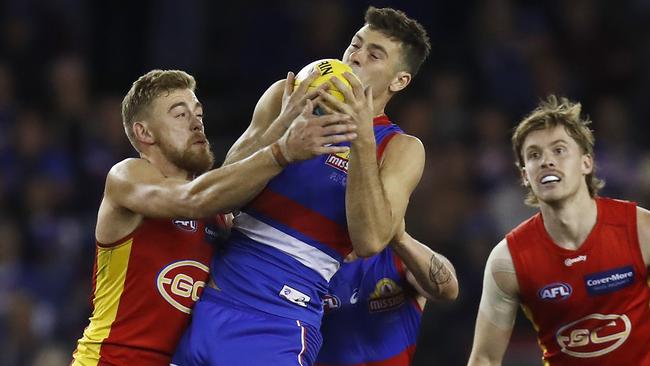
(398, 26)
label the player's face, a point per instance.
(375, 59)
(179, 132)
(555, 166)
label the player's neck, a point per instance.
(167, 168)
(569, 222)
(379, 104)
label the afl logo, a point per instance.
(555, 292)
(331, 302)
(187, 225)
(594, 335)
(181, 283)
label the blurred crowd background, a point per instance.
(65, 66)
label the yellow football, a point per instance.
(327, 68)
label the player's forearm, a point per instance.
(434, 273)
(475, 360)
(490, 341)
(489, 347)
(247, 145)
(232, 186)
(369, 215)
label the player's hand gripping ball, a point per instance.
(327, 68)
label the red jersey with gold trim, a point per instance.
(589, 306)
(144, 288)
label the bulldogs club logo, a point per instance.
(387, 296)
(181, 283)
(594, 335)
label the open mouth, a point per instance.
(550, 178)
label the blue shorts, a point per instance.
(225, 334)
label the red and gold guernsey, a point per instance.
(144, 287)
(589, 306)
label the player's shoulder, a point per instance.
(502, 267)
(643, 214)
(129, 171)
(270, 102)
(408, 140)
(406, 147)
(501, 250)
(405, 143)
(276, 89)
(126, 166)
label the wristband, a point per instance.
(278, 156)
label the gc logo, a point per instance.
(181, 283)
(594, 335)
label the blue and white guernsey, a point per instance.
(291, 239)
(372, 317)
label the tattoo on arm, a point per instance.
(438, 272)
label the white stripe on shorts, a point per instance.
(303, 332)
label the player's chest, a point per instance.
(583, 281)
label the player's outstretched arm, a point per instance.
(376, 194)
(139, 187)
(643, 228)
(430, 273)
(276, 109)
(498, 309)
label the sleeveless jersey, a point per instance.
(589, 306)
(371, 315)
(290, 240)
(144, 287)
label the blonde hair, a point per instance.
(148, 87)
(553, 112)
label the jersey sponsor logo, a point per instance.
(187, 225)
(609, 281)
(594, 335)
(571, 261)
(556, 291)
(331, 302)
(294, 296)
(181, 283)
(339, 161)
(387, 296)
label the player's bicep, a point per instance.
(498, 308)
(400, 172)
(500, 299)
(139, 187)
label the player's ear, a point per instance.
(142, 133)
(524, 177)
(587, 164)
(400, 81)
